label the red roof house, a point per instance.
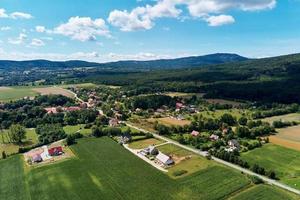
(55, 151)
(195, 133)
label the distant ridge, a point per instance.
(193, 61)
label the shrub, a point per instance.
(256, 180)
(179, 172)
(4, 155)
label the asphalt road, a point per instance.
(202, 153)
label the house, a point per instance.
(195, 133)
(164, 159)
(151, 150)
(37, 158)
(179, 105)
(113, 122)
(124, 139)
(51, 110)
(234, 144)
(55, 151)
(214, 137)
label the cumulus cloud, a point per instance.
(14, 15)
(19, 40)
(83, 29)
(142, 18)
(5, 28)
(37, 42)
(40, 29)
(220, 20)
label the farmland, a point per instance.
(287, 118)
(19, 92)
(285, 162)
(144, 143)
(172, 121)
(288, 137)
(264, 192)
(103, 177)
(184, 160)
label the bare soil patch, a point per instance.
(285, 143)
(5, 88)
(54, 90)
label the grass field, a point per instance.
(184, 160)
(77, 128)
(9, 148)
(285, 162)
(264, 192)
(224, 102)
(287, 118)
(15, 93)
(105, 170)
(237, 113)
(141, 144)
(18, 92)
(168, 121)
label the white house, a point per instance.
(164, 159)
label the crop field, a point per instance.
(9, 148)
(141, 144)
(108, 171)
(53, 90)
(288, 137)
(184, 160)
(285, 162)
(287, 118)
(15, 93)
(265, 192)
(168, 121)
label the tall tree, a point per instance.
(17, 133)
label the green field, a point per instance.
(141, 144)
(264, 192)
(15, 93)
(285, 162)
(9, 148)
(105, 170)
(77, 128)
(287, 118)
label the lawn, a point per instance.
(141, 144)
(105, 170)
(287, 118)
(184, 160)
(264, 192)
(77, 128)
(285, 162)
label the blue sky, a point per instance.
(107, 30)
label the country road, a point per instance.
(202, 153)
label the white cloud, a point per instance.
(19, 40)
(40, 29)
(142, 18)
(83, 29)
(20, 15)
(37, 42)
(3, 13)
(5, 28)
(220, 20)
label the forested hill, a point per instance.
(195, 61)
(274, 79)
(186, 62)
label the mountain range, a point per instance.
(186, 62)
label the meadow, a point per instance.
(15, 93)
(9, 148)
(141, 144)
(285, 162)
(287, 118)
